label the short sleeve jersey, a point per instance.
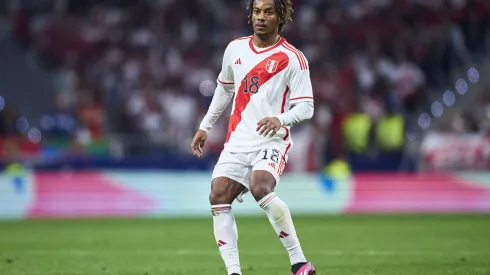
(266, 83)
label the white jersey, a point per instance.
(266, 83)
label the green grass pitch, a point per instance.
(343, 245)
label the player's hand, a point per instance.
(268, 125)
(198, 143)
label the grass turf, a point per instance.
(366, 244)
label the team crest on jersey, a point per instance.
(271, 66)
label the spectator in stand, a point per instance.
(144, 108)
(8, 117)
(61, 122)
(3, 124)
(91, 116)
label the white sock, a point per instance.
(226, 234)
(280, 218)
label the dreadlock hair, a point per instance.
(284, 9)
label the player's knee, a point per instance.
(219, 196)
(223, 192)
(262, 184)
(260, 192)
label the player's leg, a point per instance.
(224, 190)
(265, 175)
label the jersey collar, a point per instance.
(251, 44)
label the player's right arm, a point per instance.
(223, 94)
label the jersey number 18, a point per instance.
(251, 84)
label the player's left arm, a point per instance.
(301, 98)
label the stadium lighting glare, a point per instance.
(448, 98)
(2, 103)
(473, 75)
(410, 135)
(424, 121)
(34, 135)
(207, 88)
(437, 109)
(22, 125)
(461, 86)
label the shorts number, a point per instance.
(274, 156)
(251, 85)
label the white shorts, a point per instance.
(239, 166)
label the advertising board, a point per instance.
(33, 195)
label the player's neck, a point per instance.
(265, 41)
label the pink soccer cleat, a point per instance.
(306, 269)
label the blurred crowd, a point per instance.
(473, 119)
(143, 72)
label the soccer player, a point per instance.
(270, 82)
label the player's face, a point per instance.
(264, 18)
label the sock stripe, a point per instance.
(221, 205)
(267, 200)
(221, 208)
